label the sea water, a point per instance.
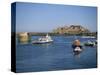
(57, 55)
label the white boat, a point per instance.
(78, 49)
(88, 37)
(46, 39)
(91, 43)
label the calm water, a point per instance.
(54, 56)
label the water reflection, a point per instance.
(46, 45)
(23, 42)
(77, 53)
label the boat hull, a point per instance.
(91, 45)
(41, 42)
(77, 49)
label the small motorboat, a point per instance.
(90, 43)
(77, 47)
(46, 39)
(88, 37)
(77, 50)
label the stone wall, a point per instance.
(23, 37)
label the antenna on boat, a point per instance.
(47, 35)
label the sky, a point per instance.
(37, 17)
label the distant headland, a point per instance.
(66, 30)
